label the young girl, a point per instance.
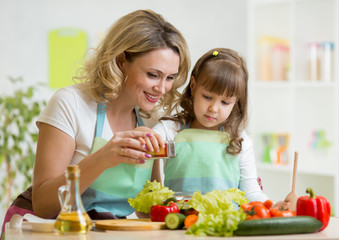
(213, 150)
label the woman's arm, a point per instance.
(55, 150)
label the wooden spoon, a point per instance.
(292, 197)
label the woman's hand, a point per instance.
(125, 147)
(153, 143)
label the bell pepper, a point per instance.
(281, 212)
(256, 209)
(159, 212)
(314, 206)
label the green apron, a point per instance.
(201, 162)
(110, 191)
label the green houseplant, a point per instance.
(18, 137)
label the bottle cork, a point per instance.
(73, 171)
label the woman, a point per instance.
(136, 69)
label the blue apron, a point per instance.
(110, 191)
(201, 163)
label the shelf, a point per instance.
(291, 84)
(309, 84)
(280, 35)
(301, 171)
(272, 84)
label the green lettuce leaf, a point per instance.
(217, 200)
(218, 215)
(222, 224)
(153, 193)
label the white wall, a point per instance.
(24, 26)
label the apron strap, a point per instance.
(188, 125)
(101, 113)
(140, 122)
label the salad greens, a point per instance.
(218, 215)
(153, 193)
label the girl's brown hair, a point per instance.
(224, 72)
(135, 34)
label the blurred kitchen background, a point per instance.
(290, 47)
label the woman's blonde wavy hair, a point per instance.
(135, 34)
(221, 71)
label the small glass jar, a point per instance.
(314, 62)
(327, 61)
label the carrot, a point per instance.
(190, 220)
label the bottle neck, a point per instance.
(74, 192)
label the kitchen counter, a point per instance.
(331, 232)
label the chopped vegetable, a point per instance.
(314, 206)
(190, 220)
(153, 193)
(159, 212)
(175, 220)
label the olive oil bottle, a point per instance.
(72, 219)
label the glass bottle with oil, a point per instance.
(72, 219)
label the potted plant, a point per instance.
(18, 137)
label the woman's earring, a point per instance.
(123, 82)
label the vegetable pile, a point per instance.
(159, 212)
(258, 210)
(152, 194)
(218, 215)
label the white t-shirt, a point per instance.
(74, 112)
(248, 172)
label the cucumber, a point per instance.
(175, 220)
(278, 225)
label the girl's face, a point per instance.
(149, 77)
(210, 109)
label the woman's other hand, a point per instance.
(153, 143)
(125, 147)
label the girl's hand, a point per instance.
(153, 143)
(282, 205)
(125, 147)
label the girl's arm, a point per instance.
(248, 172)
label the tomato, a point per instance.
(281, 212)
(256, 209)
(268, 203)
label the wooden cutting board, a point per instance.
(129, 224)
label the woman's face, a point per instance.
(149, 77)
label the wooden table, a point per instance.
(331, 232)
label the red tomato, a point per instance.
(256, 210)
(281, 212)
